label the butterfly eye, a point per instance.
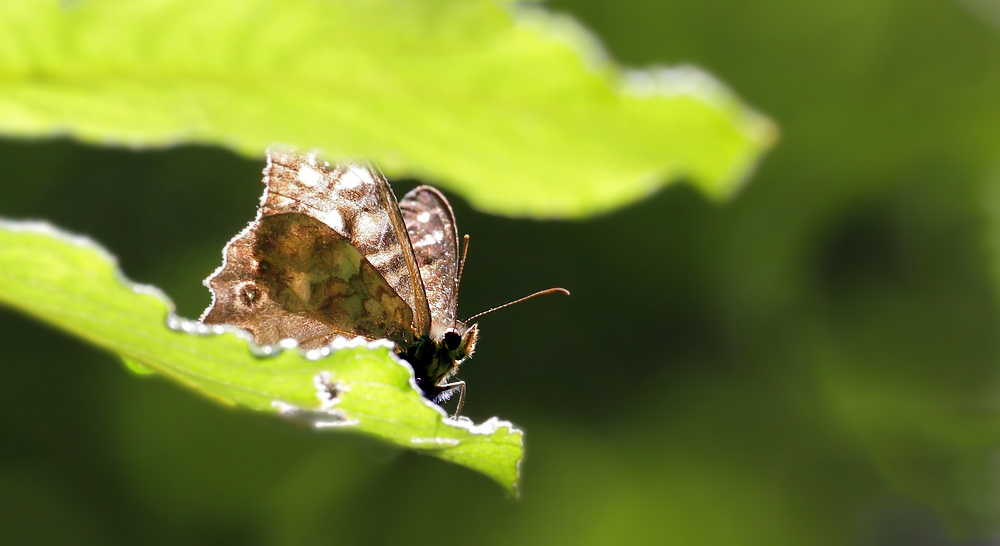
(452, 340)
(249, 294)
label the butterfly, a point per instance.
(332, 253)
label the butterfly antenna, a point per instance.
(461, 264)
(536, 294)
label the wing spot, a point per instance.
(335, 220)
(354, 177)
(309, 176)
(423, 216)
(370, 227)
(426, 240)
(364, 174)
(249, 294)
(381, 257)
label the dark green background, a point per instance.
(811, 363)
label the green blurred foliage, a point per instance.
(812, 363)
(506, 104)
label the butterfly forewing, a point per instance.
(357, 203)
(430, 225)
(292, 276)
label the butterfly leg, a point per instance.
(460, 385)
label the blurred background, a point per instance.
(812, 362)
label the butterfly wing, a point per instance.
(357, 203)
(292, 276)
(430, 224)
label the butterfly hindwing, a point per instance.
(430, 224)
(292, 276)
(357, 203)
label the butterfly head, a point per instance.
(437, 357)
(459, 342)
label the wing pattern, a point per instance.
(356, 202)
(327, 255)
(430, 225)
(291, 276)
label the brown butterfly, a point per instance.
(331, 253)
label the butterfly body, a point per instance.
(331, 253)
(436, 361)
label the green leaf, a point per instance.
(514, 108)
(73, 284)
(136, 367)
